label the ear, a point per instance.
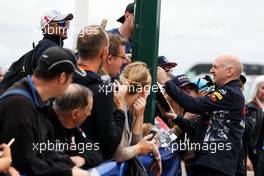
(104, 53)
(62, 78)
(109, 59)
(127, 14)
(230, 72)
(75, 113)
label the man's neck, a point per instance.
(92, 64)
(42, 89)
(124, 31)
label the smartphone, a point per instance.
(153, 131)
(162, 100)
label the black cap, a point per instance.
(165, 64)
(182, 80)
(59, 59)
(129, 9)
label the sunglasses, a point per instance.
(62, 23)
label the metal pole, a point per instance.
(146, 43)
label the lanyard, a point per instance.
(86, 68)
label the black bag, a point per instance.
(19, 69)
(136, 168)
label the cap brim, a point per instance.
(121, 19)
(80, 71)
(170, 64)
(64, 17)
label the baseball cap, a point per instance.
(129, 9)
(58, 59)
(163, 62)
(54, 15)
(182, 80)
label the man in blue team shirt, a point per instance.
(126, 29)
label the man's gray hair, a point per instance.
(76, 96)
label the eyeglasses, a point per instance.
(122, 57)
(63, 23)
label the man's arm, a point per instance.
(199, 105)
(92, 154)
(187, 126)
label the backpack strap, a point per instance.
(33, 57)
(17, 91)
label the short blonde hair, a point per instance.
(136, 75)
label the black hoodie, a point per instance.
(47, 42)
(105, 125)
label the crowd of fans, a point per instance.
(77, 110)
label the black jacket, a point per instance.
(255, 141)
(77, 142)
(20, 119)
(105, 125)
(29, 61)
(246, 141)
(221, 123)
(47, 42)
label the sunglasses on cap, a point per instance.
(62, 23)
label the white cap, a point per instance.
(54, 15)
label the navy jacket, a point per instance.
(47, 42)
(221, 124)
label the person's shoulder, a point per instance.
(45, 41)
(90, 78)
(45, 44)
(231, 93)
(93, 82)
(230, 89)
(17, 108)
(225, 93)
(16, 100)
